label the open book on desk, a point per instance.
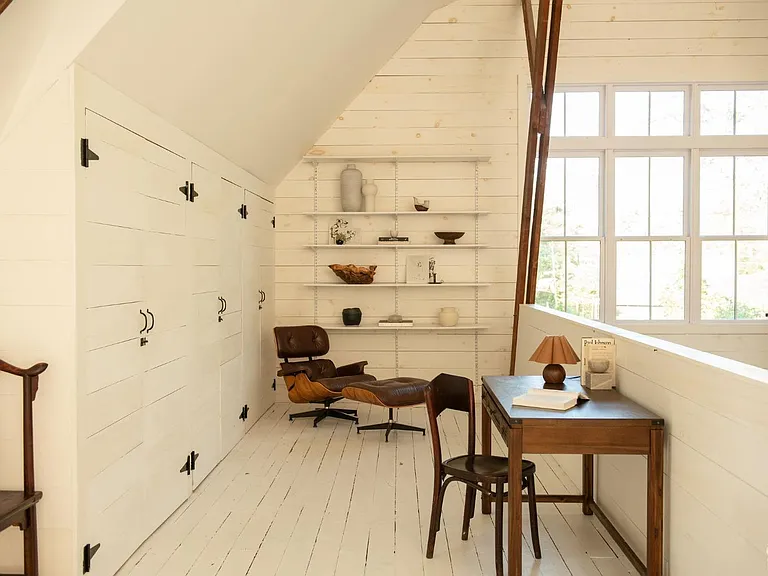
(549, 399)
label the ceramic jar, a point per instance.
(369, 195)
(448, 317)
(351, 189)
(351, 316)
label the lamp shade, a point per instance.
(555, 350)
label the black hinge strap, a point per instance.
(273, 221)
(86, 154)
(243, 211)
(195, 456)
(88, 553)
(192, 193)
(185, 190)
(187, 467)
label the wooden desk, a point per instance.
(608, 424)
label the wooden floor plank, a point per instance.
(291, 499)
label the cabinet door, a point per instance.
(268, 350)
(252, 297)
(117, 439)
(203, 397)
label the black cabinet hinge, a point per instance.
(244, 413)
(88, 553)
(187, 468)
(273, 221)
(274, 383)
(193, 458)
(189, 191)
(86, 154)
(243, 211)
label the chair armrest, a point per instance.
(352, 369)
(292, 370)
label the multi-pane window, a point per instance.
(734, 237)
(656, 217)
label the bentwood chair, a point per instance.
(457, 393)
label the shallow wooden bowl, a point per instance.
(449, 237)
(352, 274)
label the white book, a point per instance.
(548, 399)
(403, 324)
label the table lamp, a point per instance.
(554, 351)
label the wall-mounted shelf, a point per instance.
(431, 328)
(398, 285)
(392, 159)
(390, 246)
(408, 213)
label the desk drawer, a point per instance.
(496, 417)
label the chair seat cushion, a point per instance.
(340, 382)
(470, 467)
(392, 393)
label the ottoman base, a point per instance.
(390, 425)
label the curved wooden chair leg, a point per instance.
(434, 524)
(469, 511)
(534, 516)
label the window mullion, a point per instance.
(608, 256)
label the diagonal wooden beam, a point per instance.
(545, 125)
(530, 162)
(4, 4)
(530, 33)
(546, 46)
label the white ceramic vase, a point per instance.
(448, 317)
(351, 189)
(369, 195)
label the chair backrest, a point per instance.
(305, 342)
(30, 378)
(449, 392)
(301, 342)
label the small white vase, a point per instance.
(351, 189)
(448, 317)
(369, 195)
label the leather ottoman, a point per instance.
(393, 393)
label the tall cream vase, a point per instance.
(351, 189)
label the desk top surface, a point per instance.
(602, 404)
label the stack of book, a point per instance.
(394, 240)
(401, 324)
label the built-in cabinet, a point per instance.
(175, 276)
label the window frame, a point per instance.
(692, 146)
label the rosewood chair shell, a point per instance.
(448, 392)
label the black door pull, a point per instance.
(145, 321)
(153, 321)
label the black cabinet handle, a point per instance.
(153, 321)
(221, 301)
(225, 305)
(145, 321)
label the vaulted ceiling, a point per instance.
(257, 81)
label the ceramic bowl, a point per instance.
(598, 366)
(449, 237)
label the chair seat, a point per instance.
(12, 503)
(340, 382)
(472, 467)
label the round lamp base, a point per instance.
(554, 376)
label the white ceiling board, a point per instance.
(257, 81)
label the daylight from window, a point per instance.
(656, 208)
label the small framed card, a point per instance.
(417, 270)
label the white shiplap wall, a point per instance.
(716, 475)
(37, 319)
(458, 87)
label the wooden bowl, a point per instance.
(449, 237)
(352, 274)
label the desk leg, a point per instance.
(485, 449)
(655, 560)
(515, 544)
(587, 482)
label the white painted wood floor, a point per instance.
(296, 500)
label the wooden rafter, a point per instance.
(4, 4)
(543, 44)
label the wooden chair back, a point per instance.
(449, 392)
(30, 378)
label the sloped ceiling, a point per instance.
(256, 80)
